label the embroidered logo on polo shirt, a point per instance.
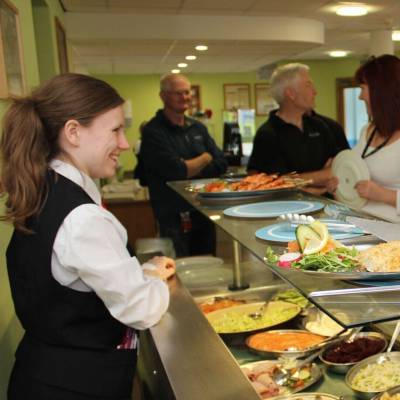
(314, 134)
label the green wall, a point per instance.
(143, 90)
(324, 74)
(43, 22)
(10, 329)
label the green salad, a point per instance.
(341, 259)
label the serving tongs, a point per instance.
(259, 313)
(281, 375)
(394, 337)
(301, 219)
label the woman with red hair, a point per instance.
(379, 145)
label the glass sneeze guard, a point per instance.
(358, 308)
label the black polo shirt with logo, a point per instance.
(282, 147)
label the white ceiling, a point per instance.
(152, 36)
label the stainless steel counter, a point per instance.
(193, 358)
(190, 361)
(185, 358)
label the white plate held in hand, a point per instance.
(350, 168)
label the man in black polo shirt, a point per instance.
(291, 140)
(175, 147)
(335, 128)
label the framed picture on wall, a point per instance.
(264, 102)
(236, 96)
(61, 47)
(12, 81)
(195, 105)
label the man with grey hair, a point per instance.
(176, 147)
(291, 139)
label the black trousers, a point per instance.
(23, 387)
(196, 238)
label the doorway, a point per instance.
(352, 114)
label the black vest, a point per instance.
(71, 338)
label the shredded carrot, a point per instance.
(330, 245)
(279, 341)
(293, 246)
(218, 305)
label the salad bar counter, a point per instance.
(309, 297)
(381, 304)
(187, 359)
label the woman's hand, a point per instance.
(329, 186)
(369, 190)
(372, 191)
(165, 267)
(332, 184)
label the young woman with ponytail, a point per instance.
(77, 291)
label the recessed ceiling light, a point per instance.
(352, 10)
(190, 57)
(338, 53)
(182, 65)
(396, 36)
(175, 71)
(201, 47)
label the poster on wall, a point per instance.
(264, 102)
(11, 65)
(236, 96)
(195, 104)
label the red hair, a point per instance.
(382, 75)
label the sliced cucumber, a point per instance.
(304, 234)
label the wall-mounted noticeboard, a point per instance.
(236, 96)
(12, 80)
(264, 102)
(195, 105)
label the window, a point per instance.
(352, 114)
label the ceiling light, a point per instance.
(182, 65)
(338, 53)
(396, 36)
(352, 10)
(190, 57)
(201, 47)
(175, 71)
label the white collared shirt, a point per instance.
(90, 254)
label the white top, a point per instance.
(384, 168)
(90, 254)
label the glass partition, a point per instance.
(350, 308)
